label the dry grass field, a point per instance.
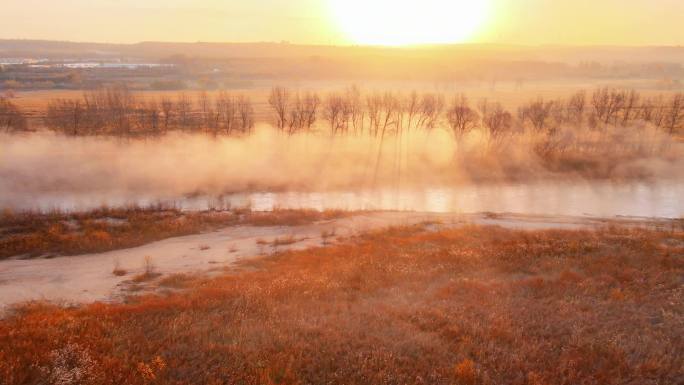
(32, 234)
(476, 305)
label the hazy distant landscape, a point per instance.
(47, 65)
(211, 126)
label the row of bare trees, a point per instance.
(606, 107)
(620, 107)
(118, 111)
(294, 111)
(380, 113)
(351, 112)
(11, 117)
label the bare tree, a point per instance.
(167, 108)
(630, 108)
(607, 104)
(674, 119)
(246, 114)
(660, 112)
(309, 112)
(279, 100)
(430, 109)
(356, 109)
(495, 118)
(152, 115)
(462, 119)
(538, 113)
(226, 112)
(303, 112)
(334, 111)
(65, 115)
(184, 110)
(120, 105)
(374, 106)
(96, 115)
(576, 107)
(206, 110)
(391, 106)
(412, 107)
(11, 117)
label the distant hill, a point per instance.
(161, 50)
(214, 64)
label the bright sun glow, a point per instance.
(406, 22)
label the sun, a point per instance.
(405, 22)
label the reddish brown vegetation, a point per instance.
(11, 117)
(34, 234)
(403, 306)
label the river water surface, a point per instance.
(596, 199)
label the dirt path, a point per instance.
(89, 278)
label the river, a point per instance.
(596, 199)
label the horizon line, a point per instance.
(341, 45)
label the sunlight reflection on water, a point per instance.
(576, 199)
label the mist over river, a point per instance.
(427, 172)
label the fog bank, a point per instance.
(174, 166)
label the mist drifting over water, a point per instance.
(422, 171)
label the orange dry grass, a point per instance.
(34, 234)
(99, 230)
(404, 306)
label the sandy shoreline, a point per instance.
(90, 278)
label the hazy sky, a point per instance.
(633, 22)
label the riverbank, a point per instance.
(219, 243)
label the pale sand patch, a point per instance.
(90, 278)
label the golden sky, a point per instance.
(618, 22)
